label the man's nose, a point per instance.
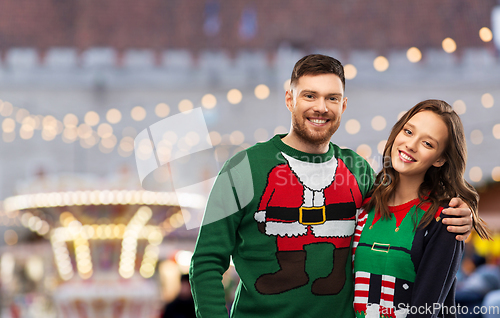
(321, 106)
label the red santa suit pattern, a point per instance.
(305, 203)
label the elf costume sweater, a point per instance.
(400, 272)
(288, 226)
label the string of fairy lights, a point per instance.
(94, 131)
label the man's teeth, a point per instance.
(318, 121)
(405, 156)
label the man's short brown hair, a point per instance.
(315, 64)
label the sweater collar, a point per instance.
(299, 155)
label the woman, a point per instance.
(405, 259)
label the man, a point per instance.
(290, 240)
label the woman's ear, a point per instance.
(439, 163)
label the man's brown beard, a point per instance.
(306, 136)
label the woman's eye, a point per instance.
(427, 144)
(407, 131)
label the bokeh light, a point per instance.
(487, 100)
(138, 113)
(104, 130)
(350, 71)
(208, 101)
(7, 109)
(91, 118)
(485, 34)
(378, 123)
(449, 45)
(10, 237)
(70, 134)
(262, 91)
(496, 131)
(352, 126)
(234, 96)
(414, 55)
(8, 125)
(364, 151)
(215, 138)
(459, 107)
(162, 110)
(26, 132)
(237, 137)
(84, 131)
(495, 174)
(70, 120)
(475, 174)
(113, 116)
(185, 106)
(476, 137)
(381, 64)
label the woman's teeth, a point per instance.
(406, 157)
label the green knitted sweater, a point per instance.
(275, 209)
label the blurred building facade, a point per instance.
(200, 25)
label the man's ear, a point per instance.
(289, 100)
(439, 163)
(344, 104)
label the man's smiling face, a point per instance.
(316, 103)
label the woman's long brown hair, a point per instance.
(440, 184)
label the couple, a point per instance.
(291, 243)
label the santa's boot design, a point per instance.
(334, 282)
(292, 274)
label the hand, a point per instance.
(462, 223)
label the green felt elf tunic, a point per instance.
(400, 272)
(287, 219)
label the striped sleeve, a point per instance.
(361, 218)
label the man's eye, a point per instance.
(334, 99)
(309, 96)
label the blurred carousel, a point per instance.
(105, 241)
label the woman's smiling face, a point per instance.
(420, 144)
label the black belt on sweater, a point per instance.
(313, 215)
(379, 247)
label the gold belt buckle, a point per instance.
(323, 211)
(380, 247)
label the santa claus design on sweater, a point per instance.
(305, 203)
